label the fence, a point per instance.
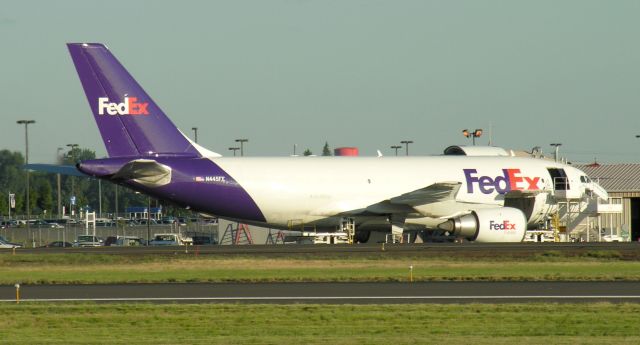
(35, 237)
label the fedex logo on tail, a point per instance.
(130, 106)
(511, 179)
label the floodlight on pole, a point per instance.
(234, 149)
(473, 135)
(241, 141)
(556, 146)
(26, 124)
(406, 143)
(396, 147)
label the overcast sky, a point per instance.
(353, 73)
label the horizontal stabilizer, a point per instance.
(55, 169)
(146, 172)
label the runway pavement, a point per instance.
(336, 293)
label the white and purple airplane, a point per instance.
(479, 193)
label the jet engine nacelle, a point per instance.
(504, 224)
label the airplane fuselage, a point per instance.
(278, 190)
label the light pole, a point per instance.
(100, 198)
(115, 210)
(406, 143)
(557, 147)
(241, 141)
(59, 161)
(396, 147)
(26, 124)
(148, 219)
(73, 180)
(473, 135)
(195, 133)
(234, 149)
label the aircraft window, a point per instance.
(584, 179)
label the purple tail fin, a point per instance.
(130, 123)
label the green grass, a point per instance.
(91, 268)
(536, 323)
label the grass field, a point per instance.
(32, 323)
(93, 268)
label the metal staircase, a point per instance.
(578, 219)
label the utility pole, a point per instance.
(406, 143)
(241, 141)
(396, 147)
(234, 149)
(26, 124)
(195, 132)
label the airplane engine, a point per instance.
(504, 224)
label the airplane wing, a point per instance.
(437, 192)
(55, 169)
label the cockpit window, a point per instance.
(585, 179)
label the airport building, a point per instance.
(622, 182)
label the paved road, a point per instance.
(361, 293)
(627, 249)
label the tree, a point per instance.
(45, 193)
(326, 151)
(307, 152)
(12, 180)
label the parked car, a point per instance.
(170, 240)
(57, 244)
(129, 241)
(110, 240)
(88, 241)
(6, 244)
(41, 224)
(104, 223)
(144, 222)
(204, 240)
(8, 224)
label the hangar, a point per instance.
(622, 182)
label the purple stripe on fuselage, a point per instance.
(196, 183)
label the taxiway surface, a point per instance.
(338, 293)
